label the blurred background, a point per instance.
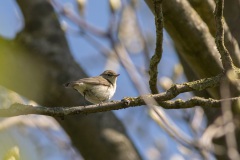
(44, 44)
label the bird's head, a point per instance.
(110, 76)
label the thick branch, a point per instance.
(191, 37)
(20, 109)
(153, 72)
(205, 10)
(225, 56)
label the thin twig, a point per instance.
(195, 101)
(153, 68)
(225, 56)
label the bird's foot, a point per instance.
(126, 100)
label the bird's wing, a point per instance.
(94, 80)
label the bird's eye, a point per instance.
(109, 75)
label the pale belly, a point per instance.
(96, 93)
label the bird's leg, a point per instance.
(100, 101)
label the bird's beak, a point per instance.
(117, 75)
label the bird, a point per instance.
(97, 89)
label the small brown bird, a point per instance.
(96, 89)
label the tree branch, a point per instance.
(175, 90)
(17, 109)
(186, 29)
(153, 72)
(196, 101)
(225, 56)
(205, 10)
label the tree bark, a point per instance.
(232, 16)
